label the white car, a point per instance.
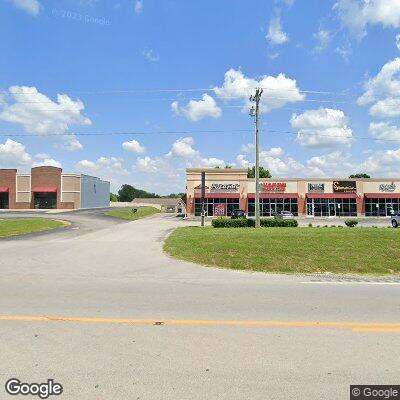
(395, 220)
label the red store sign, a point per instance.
(274, 186)
(219, 210)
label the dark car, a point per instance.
(238, 214)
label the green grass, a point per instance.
(290, 250)
(129, 215)
(19, 226)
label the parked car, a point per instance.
(238, 214)
(395, 220)
(284, 215)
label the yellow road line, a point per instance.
(394, 330)
(356, 326)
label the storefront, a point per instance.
(230, 189)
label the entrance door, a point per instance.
(310, 209)
(272, 209)
(4, 200)
(332, 211)
(45, 200)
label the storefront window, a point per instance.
(230, 205)
(269, 207)
(381, 207)
(332, 207)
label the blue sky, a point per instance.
(330, 73)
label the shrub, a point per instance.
(351, 223)
(310, 225)
(222, 222)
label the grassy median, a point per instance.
(290, 250)
(20, 226)
(128, 214)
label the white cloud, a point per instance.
(148, 165)
(398, 41)
(247, 148)
(326, 164)
(384, 91)
(150, 56)
(323, 37)
(382, 163)
(275, 35)
(30, 6)
(133, 146)
(278, 91)
(273, 152)
(324, 127)
(358, 14)
(106, 167)
(197, 110)
(39, 115)
(138, 6)
(13, 154)
(183, 148)
(242, 161)
(212, 162)
(280, 165)
(70, 143)
(345, 51)
(385, 131)
(48, 162)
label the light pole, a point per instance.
(256, 113)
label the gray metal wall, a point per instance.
(94, 192)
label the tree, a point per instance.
(114, 197)
(359, 176)
(128, 193)
(263, 173)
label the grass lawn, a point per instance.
(19, 226)
(290, 250)
(129, 215)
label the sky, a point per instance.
(137, 91)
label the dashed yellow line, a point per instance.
(355, 326)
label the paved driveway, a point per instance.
(128, 322)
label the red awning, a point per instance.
(44, 189)
(274, 195)
(218, 196)
(382, 195)
(332, 195)
(4, 189)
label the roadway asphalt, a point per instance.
(104, 312)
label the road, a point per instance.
(104, 312)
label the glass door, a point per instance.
(310, 209)
(332, 211)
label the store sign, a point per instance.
(316, 187)
(225, 187)
(274, 186)
(219, 210)
(344, 186)
(385, 187)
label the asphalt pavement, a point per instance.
(102, 310)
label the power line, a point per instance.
(188, 132)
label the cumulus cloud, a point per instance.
(103, 166)
(384, 91)
(242, 161)
(385, 131)
(30, 6)
(280, 165)
(323, 38)
(398, 41)
(324, 127)
(138, 6)
(275, 35)
(39, 115)
(247, 148)
(212, 162)
(183, 148)
(48, 162)
(148, 164)
(150, 56)
(13, 154)
(382, 163)
(278, 91)
(356, 15)
(133, 146)
(197, 110)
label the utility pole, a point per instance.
(256, 113)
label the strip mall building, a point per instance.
(229, 189)
(48, 187)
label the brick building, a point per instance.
(49, 187)
(229, 189)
